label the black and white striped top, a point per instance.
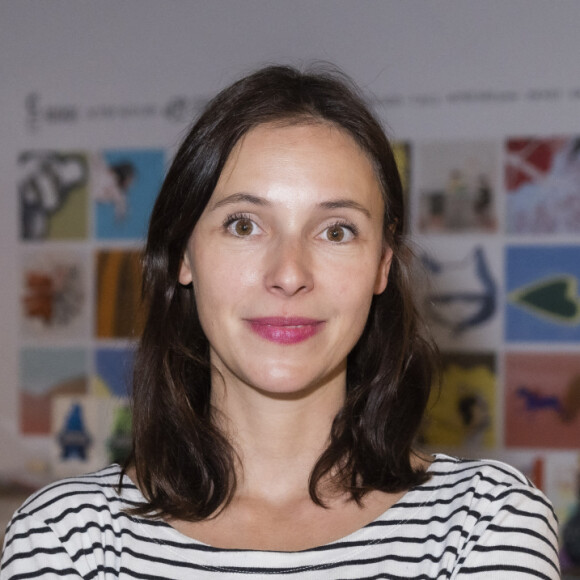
(476, 519)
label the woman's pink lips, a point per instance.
(285, 330)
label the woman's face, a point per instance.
(286, 258)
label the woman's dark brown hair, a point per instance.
(184, 464)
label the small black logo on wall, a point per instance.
(177, 109)
(37, 113)
(181, 109)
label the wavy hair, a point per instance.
(185, 465)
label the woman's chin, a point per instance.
(296, 384)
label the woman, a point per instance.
(282, 377)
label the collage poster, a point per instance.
(495, 226)
(83, 220)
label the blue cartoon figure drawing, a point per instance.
(73, 438)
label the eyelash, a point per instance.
(230, 219)
(344, 224)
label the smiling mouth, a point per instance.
(285, 330)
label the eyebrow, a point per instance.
(346, 203)
(260, 201)
(240, 197)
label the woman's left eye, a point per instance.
(339, 233)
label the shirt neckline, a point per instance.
(204, 555)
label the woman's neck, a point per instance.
(276, 435)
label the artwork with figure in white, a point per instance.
(461, 296)
(457, 187)
(543, 186)
(52, 195)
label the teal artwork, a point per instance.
(124, 186)
(543, 303)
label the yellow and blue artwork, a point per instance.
(462, 412)
(114, 367)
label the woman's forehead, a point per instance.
(297, 158)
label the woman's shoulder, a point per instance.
(488, 477)
(488, 486)
(73, 527)
(103, 490)
(494, 472)
(498, 510)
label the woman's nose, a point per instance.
(289, 270)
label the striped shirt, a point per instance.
(472, 519)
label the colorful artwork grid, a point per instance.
(83, 220)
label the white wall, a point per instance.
(138, 55)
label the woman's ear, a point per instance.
(383, 271)
(185, 276)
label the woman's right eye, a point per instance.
(241, 227)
